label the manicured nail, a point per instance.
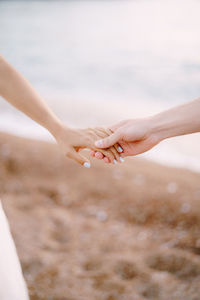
(98, 143)
(87, 165)
(114, 161)
(120, 150)
(121, 159)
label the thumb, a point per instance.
(72, 154)
(108, 141)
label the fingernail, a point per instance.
(86, 165)
(114, 161)
(120, 150)
(98, 143)
(121, 159)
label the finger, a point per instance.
(95, 134)
(102, 132)
(107, 153)
(92, 153)
(106, 160)
(99, 155)
(116, 149)
(123, 146)
(116, 146)
(108, 141)
(72, 154)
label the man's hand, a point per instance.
(71, 141)
(134, 137)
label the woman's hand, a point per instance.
(18, 92)
(71, 141)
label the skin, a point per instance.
(140, 135)
(18, 92)
(134, 136)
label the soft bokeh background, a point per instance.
(124, 232)
(96, 62)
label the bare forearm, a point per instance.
(181, 120)
(17, 90)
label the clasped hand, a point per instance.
(127, 138)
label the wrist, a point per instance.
(57, 128)
(163, 126)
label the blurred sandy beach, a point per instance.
(129, 232)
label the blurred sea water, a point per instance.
(100, 61)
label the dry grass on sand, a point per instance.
(130, 232)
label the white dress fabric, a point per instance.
(12, 283)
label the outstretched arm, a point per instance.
(180, 120)
(140, 135)
(18, 91)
